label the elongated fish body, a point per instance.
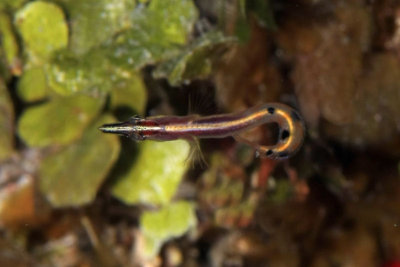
(165, 128)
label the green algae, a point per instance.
(57, 122)
(43, 29)
(72, 176)
(156, 174)
(194, 62)
(32, 85)
(169, 222)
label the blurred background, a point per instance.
(73, 196)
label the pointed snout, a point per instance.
(122, 128)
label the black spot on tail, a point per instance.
(285, 134)
(271, 110)
(295, 116)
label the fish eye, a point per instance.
(135, 119)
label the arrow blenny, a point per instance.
(165, 128)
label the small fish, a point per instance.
(165, 128)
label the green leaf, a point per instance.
(156, 174)
(196, 61)
(6, 123)
(9, 43)
(130, 93)
(84, 67)
(32, 85)
(73, 175)
(158, 31)
(174, 19)
(169, 222)
(43, 30)
(57, 122)
(91, 73)
(94, 21)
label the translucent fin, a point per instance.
(201, 101)
(195, 155)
